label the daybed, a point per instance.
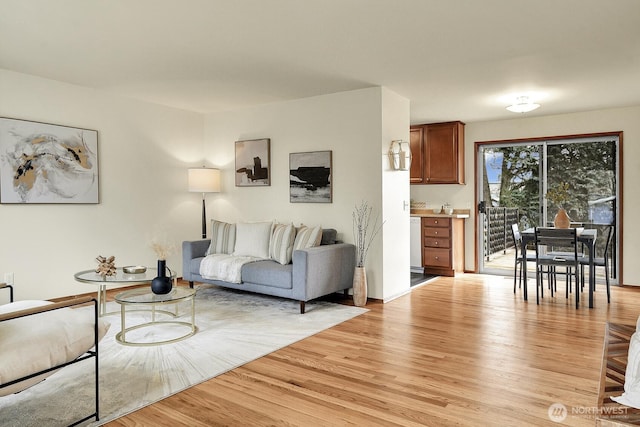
(312, 272)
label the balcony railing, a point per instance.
(497, 230)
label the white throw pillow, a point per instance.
(307, 237)
(281, 246)
(223, 238)
(252, 239)
(631, 394)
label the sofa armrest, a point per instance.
(190, 250)
(323, 270)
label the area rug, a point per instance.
(233, 328)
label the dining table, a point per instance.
(586, 236)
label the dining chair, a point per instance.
(521, 256)
(556, 247)
(600, 262)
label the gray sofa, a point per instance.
(313, 272)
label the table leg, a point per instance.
(123, 327)
(592, 273)
(524, 276)
(102, 300)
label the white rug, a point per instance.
(233, 328)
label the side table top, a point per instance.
(90, 276)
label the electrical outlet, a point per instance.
(8, 278)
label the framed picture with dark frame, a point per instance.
(253, 163)
(310, 177)
(47, 163)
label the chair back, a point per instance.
(607, 247)
(554, 238)
(517, 238)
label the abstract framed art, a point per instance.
(310, 177)
(253, 163)
(47, 163)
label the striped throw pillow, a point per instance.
(223, 238)
(281, 244)
(307, 237)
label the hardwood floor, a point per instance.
(458, 351)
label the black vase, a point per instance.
(162, 284)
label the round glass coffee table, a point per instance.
(144, 297)
(120, 278)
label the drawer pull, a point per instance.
(435, 222)
(435, 232)
(437, 257)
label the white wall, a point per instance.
(619, 119)
(144, 151)
(395, 199)
(349, 124)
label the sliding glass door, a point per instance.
(527, 182)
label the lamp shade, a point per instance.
(204, 180)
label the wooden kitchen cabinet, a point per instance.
(439, 153)
(443, 245)
(416, 174)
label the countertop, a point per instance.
(457, 213)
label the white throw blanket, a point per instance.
(226, 268)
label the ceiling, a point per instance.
(454, 59)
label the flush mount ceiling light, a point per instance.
(522, 105)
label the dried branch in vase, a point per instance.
(363, 231)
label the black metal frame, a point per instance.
(87, 355)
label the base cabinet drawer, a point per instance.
(434, 242)
(436, 257)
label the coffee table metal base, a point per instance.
(191, 327)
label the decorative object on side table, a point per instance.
(559, 196)
(162, 284)
(134, 269)
(106, 266)
(363, 232)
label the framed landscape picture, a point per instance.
(47, 163)
(310, 179)
(253, 163)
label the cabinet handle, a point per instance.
(436, 233)
(436, 243)
(435, 222)
(437, 257)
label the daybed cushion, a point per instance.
(41, 341)
(268, 273)
(223, 238)
(281, 245)
(252, 239)
(307, 237)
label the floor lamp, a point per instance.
(204, 180)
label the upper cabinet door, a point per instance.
(416, 174)
(443, 153)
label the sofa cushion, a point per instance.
(223, 238)
(281, 245)
(329, 236)
(252, 239)
(268, 273)
(307, 237)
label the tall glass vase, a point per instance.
(161, 284)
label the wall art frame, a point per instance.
(311, 177)
(47, 163)
(253, 163)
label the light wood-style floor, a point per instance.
(458, 351)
